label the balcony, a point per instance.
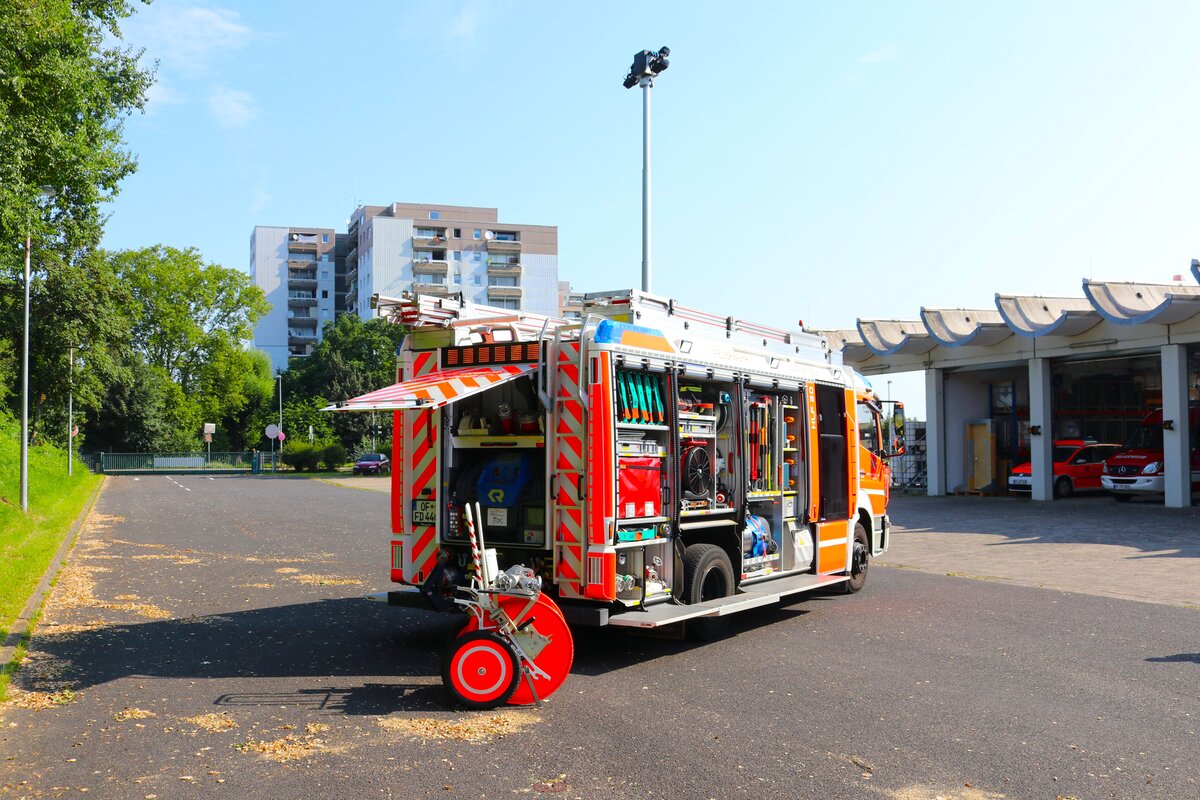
(302, 279)
(301, 301)
(301, 338)
(503, 246)
(302, 246)
(430, 288)
(302, 317)
(511, 269)
(504, 291)
(430, 266)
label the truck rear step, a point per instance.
(763, 594)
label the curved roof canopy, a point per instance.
(891, 337)
(954, 327)
(1137, 303)
(1047, 316)
(849, 342)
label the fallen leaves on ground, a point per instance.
(938, 793)
(315, 727)
(287, 570)
(133, 713)
(325, 580)
(40, 701)
(148, 610)
(213, 723)
(287, 748)
(256, 586)
(476, 728)
(175, 558)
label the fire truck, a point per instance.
(647, 465)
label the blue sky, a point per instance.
(812, 161)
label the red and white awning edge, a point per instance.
(435, 389)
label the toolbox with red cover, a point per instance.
(639, 487)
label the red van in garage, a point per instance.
(1077, 466)
(1138, 468)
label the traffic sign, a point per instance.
(272, 431)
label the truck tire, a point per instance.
(707, 573)
(1122, 498)
(859, 558)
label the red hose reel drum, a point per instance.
(544, 621)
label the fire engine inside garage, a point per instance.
(1054, 397)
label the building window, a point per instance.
(435, 215)
(477, 257)
(324, 294)
(324, 238)
(458, 255)
(478, 233)
(458, 233)
(476, 280)
(458, 277)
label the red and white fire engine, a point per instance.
(646, 466)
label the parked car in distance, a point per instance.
(1139, 469)
(1077, 467)
(372, 464)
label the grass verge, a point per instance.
(28, 542)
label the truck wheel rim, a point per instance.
(482, 670)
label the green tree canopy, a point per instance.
(66, 86)
(353, 358)
(188, 312)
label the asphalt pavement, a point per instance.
(208, 639)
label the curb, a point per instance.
(22, 626)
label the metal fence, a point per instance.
(249, 462)
(910, 471)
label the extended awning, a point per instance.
(435, 389)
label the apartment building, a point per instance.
(439, 249)
(312, 274)
(298, 270)
(570, 302)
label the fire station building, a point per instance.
(1003, 384)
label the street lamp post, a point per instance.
(646, 65)
(70, 410)
(279, 377)
(47, 192)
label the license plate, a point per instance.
(424, 512)
(1019, 481)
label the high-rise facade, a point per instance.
(297, 269)
(438, 249)
(312, 274)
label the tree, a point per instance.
(187, 322)
(66, 86)
(353, 358)
(187, 311)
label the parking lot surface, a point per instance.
(1092, 544)
(208, 639)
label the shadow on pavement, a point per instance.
(1158, 532)
(354, 639)
(1187, 658)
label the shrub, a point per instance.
(301, 457)
(333, 456)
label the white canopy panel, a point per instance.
(892, 337)
(1137, 303)
(954, 327)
